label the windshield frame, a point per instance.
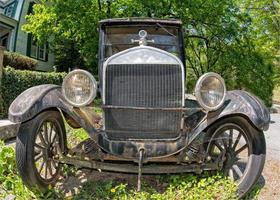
(117, 38)
(102, 36)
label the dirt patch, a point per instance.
(270, 180)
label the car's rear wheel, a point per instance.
(242, 149)
(39, 142)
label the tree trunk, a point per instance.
(1, 74)
(1, 62)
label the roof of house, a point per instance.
(7, 21)
(4, 3)
(135, 20)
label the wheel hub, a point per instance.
(230, 158)
(49, 151)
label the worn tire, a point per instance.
(25, 149)
(257, 156)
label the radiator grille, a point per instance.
(138, 85)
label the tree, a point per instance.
(221, 36)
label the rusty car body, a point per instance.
(148, 124)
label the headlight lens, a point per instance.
(210, 91)
(79, 88)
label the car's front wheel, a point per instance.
(242, 149)
(39, 142)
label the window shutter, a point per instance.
(29, 40)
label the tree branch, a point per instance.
(99, 5)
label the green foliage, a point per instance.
(162, 187)
(14, 82)
(75, 136)
(72, 26)
(10, 182)
(19, 61)
(178, 187)
(238, 39)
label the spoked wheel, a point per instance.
(39, 143)
(241, 148)
(46, 148)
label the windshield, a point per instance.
(119, 38)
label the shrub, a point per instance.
(14, 82)
(10, 182)
(19, 61)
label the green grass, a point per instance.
(178, 187)
(160, 187)
(10, 182)
(75, 136)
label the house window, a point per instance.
(36, 51)
(4, 41)
(10, 9)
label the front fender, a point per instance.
(33, 100)
(237, 103)
(43, 97)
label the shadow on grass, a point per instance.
(91, 184)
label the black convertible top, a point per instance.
(136, 20)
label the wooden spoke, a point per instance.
(46, 170)
(225, 143)
(241, 149)
(237, 170)
(219, 146)
(54, 138)
(38, 156)
(42, 139)
(58, 149)
(45, 129)
(50, 168)
(37, 151)
(41, 167)
(230, 138)
(54, 163)
(230, 173)
(51, 132)
(236, 141)
(39, 146)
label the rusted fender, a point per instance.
(237, 103)
(43, 97)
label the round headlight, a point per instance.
(79, 88)
(210, 91)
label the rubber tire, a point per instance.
(25, 147)
(257, 158)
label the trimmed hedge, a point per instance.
(14, 82)
(19, 61)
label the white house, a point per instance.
(12, 17)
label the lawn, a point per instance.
(116, 185)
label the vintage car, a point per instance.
(149, 124)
